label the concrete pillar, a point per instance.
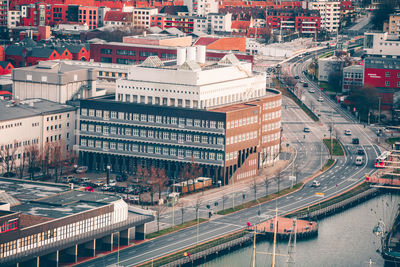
(124, 237)
(87, 249)
(30, 263)
(108, 242)
(140, 232)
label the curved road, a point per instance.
(339, 178)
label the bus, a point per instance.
(380, 162)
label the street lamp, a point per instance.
(108, 174)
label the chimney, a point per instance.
(180, 55)
(191, 53)
(201, 54)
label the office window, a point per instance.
(91, 113)
(387, 83)
(99, 113)
(113, 114)
(84, 112)
(388, 74)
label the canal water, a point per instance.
(344, 239)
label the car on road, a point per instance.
(296, 77)
(315, 184)
(81, 169)
(307, 130)
(347, 132)
(305, 84)
(113, 183)
(85, 180)
(99, 183)
(359, 160)
(360, 151)
(311, 91)
(106, 187)
(320, 99)
(67, 179)
(355, 141)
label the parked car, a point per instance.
(311, 91)
(67, 179)
(9, 174)
(113, 183)
(99, 183)
(307, 130)
(81, 169)
(315, 184)
(120, 189)
(122, 177)
(85, 180)
(105, 187)
(320, 99)
(355, 141)
(347, 132)
(296, 77)
(305, 84)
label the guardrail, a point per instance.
(78, 239)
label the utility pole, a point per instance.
(253, 259)
(275, 231)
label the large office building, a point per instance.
(169, 114)
(33, 122)
(49, 225)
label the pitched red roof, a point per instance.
(346, 5)
(2, 93)
(118, 16)
(240, 24)
(205, 40)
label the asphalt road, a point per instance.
(339, 178)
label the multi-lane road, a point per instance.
(309, 154)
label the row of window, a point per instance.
(271, 126)
(11, 125)
(353, 75)
(270, 137)
(241, 138)
(157, 100)
(271, 115)
(387, 83)
(241, 122)
(19, 144)
(158, 90)
(272, 104)
(105, 114)
(128, 131)
(247, 174)
(150, 149)
(55, 127)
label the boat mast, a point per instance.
(275, 230)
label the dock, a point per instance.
(304, 229)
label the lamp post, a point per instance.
(108, 174)
(197, 230)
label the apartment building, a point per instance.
(394, 24)
(213, 23)
(329, 12)
(142, 17)
(201, 7)
(382, 44)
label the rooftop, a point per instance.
(382, 63)
(10, 110)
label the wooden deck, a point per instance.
(285, 227)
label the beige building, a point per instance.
(394, 24)
(54, 81)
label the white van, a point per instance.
(359, 160)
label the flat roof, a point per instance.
(27, 191)
(233, 107)
(10, 110)
(155, 36)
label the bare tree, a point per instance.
(224, 199)
(197, 206)
(22, 165)
(152, 182)
(161, 181)
(8, 156)
(57, 158)
(46, 157)
(253, 187)
(182, 208)
(278, 181)
(33, 159)
(267, 182)
(160, 209)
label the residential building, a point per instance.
(56, 226)
(353, 76)
(33, 122)
(218, 115)
(87, 15)
(382, 44)
(54, 81)
(181, 22)
(118, 18)
(125, 53)
(101, 13)
(142, 17)
(347, 13)
(13, 18)
(159, 39)
(394, 24)
(329, 12)
(329, 66)
(213, 23)
(4, 8)
(201, 7)
(298, 20)
(383, 74)
(5, 67)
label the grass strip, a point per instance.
(194, 249)
(355, 191)
(289, 94)
(328, 164)
(337, 147)
(326, 55)
(260, 200)
(392, 140)
(175, 228)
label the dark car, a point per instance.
(296, 77)
(119, 189)
(305, 84)
(360, 152)
(355, 141)
(122, 177)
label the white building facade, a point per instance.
(13, 18)
(382, 44)
(190, 85)
(214, 22)
(201, 7)
(329, 12)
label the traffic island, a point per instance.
(334, 147)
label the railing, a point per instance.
(78, 239)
